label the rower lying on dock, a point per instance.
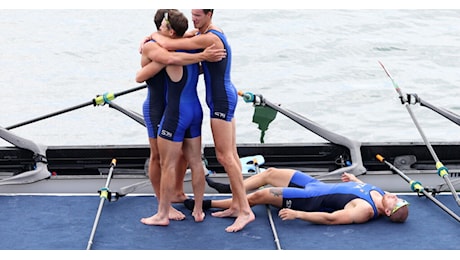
(301, 196)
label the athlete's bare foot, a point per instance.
(240, 222)
(231, 212)
(155, 220)
(199, 217)
(242, 219)
(179, 198)
(175, 214)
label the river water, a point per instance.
(322, 64)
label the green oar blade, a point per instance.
(263, 116)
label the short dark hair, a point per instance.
(206, 11)
(178, 22)
(159, 15)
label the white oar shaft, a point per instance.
(420, 188)
(439, 166)
(101, 204)
(422, 134)
(96, 222)
(433, 154)
(269, 212)
(272, 224)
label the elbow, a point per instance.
(139, 78)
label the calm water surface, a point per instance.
(320, 63)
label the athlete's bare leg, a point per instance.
(225, 144)
(154, 171)
(169, 161)
(192, 153)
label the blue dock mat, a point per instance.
(31, 222)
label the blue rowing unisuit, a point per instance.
(155, 102)
(221, 94)
(309, 194)
(183, 114)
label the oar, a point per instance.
(104, 195)
(417, 187)
(133, 115)
(354, 146)
(269, 212)
(132, 188)
(442, 170)
(441, 111)
(263, 116)
(99, 100)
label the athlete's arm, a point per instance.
(339, 217)
(163, 56)
(148, 71)
(346, 177)
(160, 58)
(190, 33)
(200, 41)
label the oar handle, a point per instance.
(103, 99)
(382, 159)
(256, 165)
(113, 162)
(248, 97)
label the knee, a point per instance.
(225, 158)
(268, 173)
(221, 155)
(258, 197)
(154, 157)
